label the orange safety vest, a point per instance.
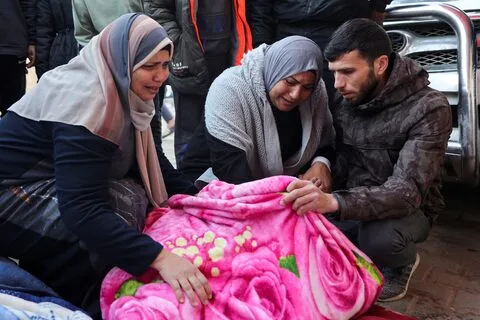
(244, 35)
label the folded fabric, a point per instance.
(262, 260)
(15, 279)
(17, 282)
(15, 308)
(22, 296)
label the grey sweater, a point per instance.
(237, 111)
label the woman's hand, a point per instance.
(182, 275)
(306, 196)
(319, 174)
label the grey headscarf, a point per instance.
(238, 111)
(290, 56)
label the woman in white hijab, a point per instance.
(71, 139)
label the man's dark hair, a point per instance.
(364, 35)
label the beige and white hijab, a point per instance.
(93, 91)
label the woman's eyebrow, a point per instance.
(292, 78)
(158, 62)
(305, 85)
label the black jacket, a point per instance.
(56, 43)
(272, 20)
(189, 69)
(17, 26)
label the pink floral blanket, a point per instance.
(263, 261)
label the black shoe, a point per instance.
(396, 281)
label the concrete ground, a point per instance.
(446, 285)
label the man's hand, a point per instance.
(319, 174)
(31, 55)
(182, 275)
(305, 196)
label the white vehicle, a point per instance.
(444, 37)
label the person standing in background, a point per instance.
(272, 20)
(92, 16)
(208, 38)
(17, 43)
(56, 43)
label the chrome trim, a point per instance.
(468, 144)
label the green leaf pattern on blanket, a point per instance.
(361, 262)
(128, 288)
(290, 263)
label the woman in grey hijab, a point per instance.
(267, 117)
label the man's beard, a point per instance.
(366, 92)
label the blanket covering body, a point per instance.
(262, 260)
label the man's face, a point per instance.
(355, 77)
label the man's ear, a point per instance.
(380, 65)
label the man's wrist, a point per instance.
(334, 205)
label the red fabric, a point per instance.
(380, 313)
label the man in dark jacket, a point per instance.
(272, 20)
(208, 36)
(392, 133)
(17, 43)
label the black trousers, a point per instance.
(12, 81)
(390, 243)
(189, 110)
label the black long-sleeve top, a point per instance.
(17, 27)
(80, 163)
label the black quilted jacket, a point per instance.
(56, 43)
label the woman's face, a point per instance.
(288, 93)
(147, 79)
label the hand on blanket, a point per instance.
(182, 275)
(320, 175)
(306, 196)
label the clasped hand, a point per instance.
(319, 175)
(306, 196)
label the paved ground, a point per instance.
(446, 285)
